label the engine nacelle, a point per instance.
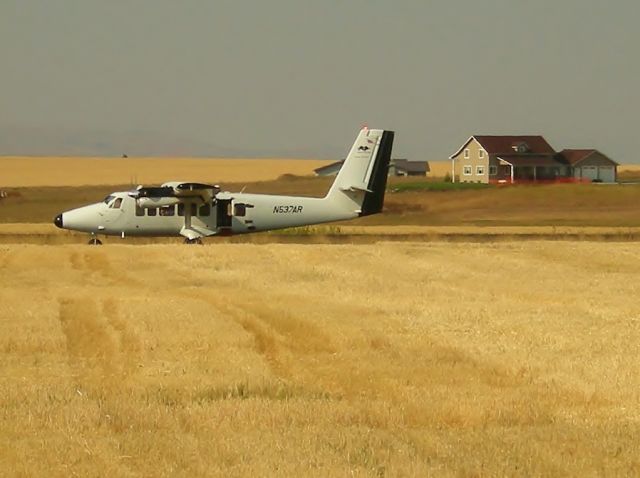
(151, 202)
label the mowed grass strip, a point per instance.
(383, 360)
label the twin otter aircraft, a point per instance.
(195, 210)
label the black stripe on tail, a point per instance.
(374, 200)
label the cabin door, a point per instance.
(223, 213)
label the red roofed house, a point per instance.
(512, 159)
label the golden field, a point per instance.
(99, 171)
(439, 169)
(406, 359)
(73, 171)
(624, 168)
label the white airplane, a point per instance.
(196, 210)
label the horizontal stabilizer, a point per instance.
(356, 188)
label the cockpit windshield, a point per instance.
(108, 199)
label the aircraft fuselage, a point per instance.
(226, 214)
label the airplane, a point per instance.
(196, 210)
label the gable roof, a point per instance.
(505, 144)
(411, 166)
(574, 156)
(530, 159)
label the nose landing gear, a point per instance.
(94, 241)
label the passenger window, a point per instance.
(116, 204)
(139, 210)
(239, 209)
(205, 210)
(181, 209)
(151, 211)
(167, 211)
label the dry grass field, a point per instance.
(63, 171)
(563, 205)
(629, 168)
(278, 360)
(439, 169)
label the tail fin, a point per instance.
(363, 176)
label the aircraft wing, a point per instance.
(179, 191)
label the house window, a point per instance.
(466, 170)
(480, 170)
(466, 154)
(481, 153)
(493, 170)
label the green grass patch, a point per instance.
(436, 186)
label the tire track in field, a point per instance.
(96, 267)
(298, 352)
(281, 339)
(265, 341)
(100, 345)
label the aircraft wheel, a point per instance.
(197, 240)
(94, 241)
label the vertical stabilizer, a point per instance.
(363, 176)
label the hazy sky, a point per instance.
(296, 77)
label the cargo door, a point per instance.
(223, 214)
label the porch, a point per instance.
(530, 169)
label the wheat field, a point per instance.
(388, 359)
(77, 171)
(625, 168)
(439, 169)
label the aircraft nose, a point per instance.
(58, 221)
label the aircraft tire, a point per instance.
(94, 241)
(197, 240)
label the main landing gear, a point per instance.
(94, 241)
(196, 240)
